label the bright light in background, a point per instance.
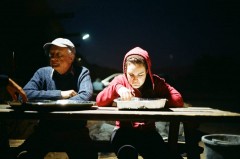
(85, 36)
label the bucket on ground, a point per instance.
(221, 146)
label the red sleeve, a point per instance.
(174, 98)
(108, 94)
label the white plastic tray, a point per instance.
(141, 103)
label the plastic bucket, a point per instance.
(221, 146)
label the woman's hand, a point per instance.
(125, 93)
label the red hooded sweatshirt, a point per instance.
(153, 87)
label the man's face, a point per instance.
(61, 58)
(136, 74)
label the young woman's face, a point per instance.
(136, 74)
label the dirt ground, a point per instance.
(63, 155)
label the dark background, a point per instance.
(193, 44)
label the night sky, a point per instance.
(194, 42)
(174, 32)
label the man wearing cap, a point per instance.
(61, 80)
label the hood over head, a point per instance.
(141, 52)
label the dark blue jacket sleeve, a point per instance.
(85, 88)
(3, 80)
(41, 86)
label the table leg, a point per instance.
(4, 141)
(191, 140)
(173, 135)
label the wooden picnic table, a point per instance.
(190, 117)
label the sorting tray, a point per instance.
(141, 103)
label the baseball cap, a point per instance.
(61, 42)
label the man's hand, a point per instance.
(68, 94)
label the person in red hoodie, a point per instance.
(130, 138)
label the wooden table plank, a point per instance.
(112, 113)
